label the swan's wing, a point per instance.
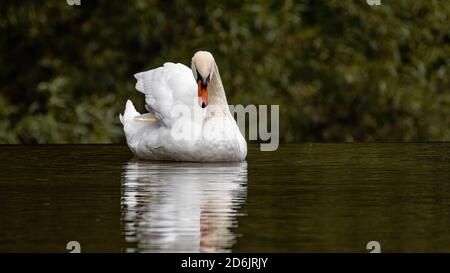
(164, 88)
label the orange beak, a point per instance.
(202, 93)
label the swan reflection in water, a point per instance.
(182, 207)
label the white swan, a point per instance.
(188, 119)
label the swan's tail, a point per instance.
(131, 121)
(129, 114)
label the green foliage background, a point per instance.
(340, 70)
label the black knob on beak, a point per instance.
(202, 80)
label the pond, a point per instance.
(300, 198)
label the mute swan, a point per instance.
(189, 118)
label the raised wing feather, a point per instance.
(164, 88)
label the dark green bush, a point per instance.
(340, 70)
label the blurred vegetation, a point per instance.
(340, 70)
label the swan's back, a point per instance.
(165, 87)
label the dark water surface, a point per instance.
(301, 198)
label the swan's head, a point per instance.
(203, 69)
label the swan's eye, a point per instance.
(204, 82)
(200, 77)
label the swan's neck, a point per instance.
(217, 98)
